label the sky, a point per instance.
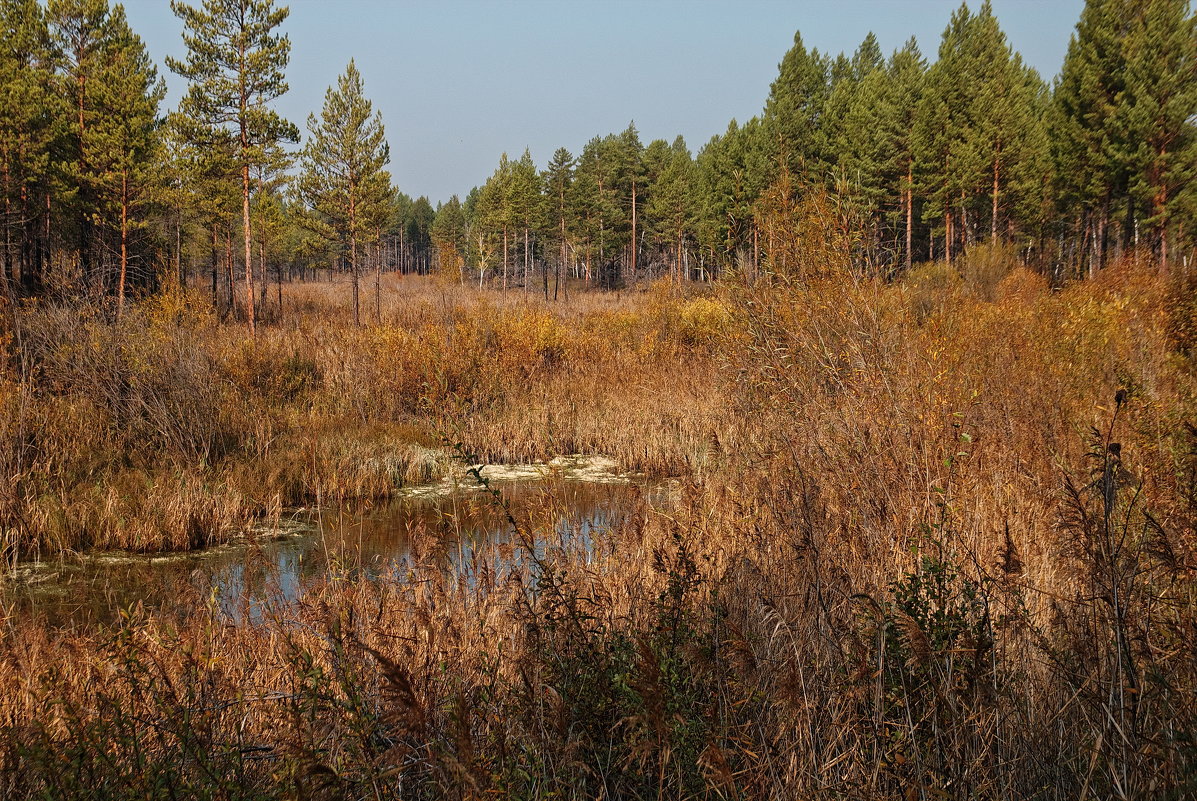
(460, 82)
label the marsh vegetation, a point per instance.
(933, 534)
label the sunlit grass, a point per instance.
(905, 558)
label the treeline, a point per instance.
(909, 160)
(105, 194)
(901, 158)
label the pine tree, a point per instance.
(792, 113)
(417, 231)
(979, 132)
(671, 203)
(524, 199)
(557, 179)
(732, 170)
(849, 125)
(235, 64)
(83, 36)
(629, 177)
(343, 178)
(30, 117)
(588, 205)
(202, 177)
(449, 237)
(599, 213)
(1155, 119)
(1091, 165)
(1005, 137)
(123, 142)
(878, 151)
(496, 217)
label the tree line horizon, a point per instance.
(901, 158)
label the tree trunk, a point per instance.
(228, 254)
(10, 277)
(179, 249)
(947, 238)
(994, 215)
(215, 259)
(635, 243)
(1161, 214)
(561, 262)
(909, 216)
(249, 262)
(756, 251)
(262, 292)
(43, 267)
(120, 295)
(377, 287)
(357, 309)
(544, 275)
(84, 223)
(677, 265)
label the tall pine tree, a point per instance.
(344, 180)
(235, 63)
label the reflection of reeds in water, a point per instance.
(372, 541)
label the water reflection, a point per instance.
(362, 541)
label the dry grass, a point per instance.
(910, 562)
(169, 430)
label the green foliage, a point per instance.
(343, 180)
(234, 67)
(1122, 120)
(31, 114)
(979, 135)
(448, 234)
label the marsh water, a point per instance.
(285, 556)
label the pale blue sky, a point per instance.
(461, 81)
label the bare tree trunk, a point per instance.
(947, 239)
(357, 312)
(262, 295)
(215, 260)
(994, 217)
(909, 216)
(120, 303)
(179, 249)
(677, 265)
(44, 267)
(756, 251)
(1161, 208)
(635, 243)
(544, 275)
(228, 253)
(84, 222)
(377, 287)
(249, 262)
(10, 276)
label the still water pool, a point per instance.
(372, 541)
